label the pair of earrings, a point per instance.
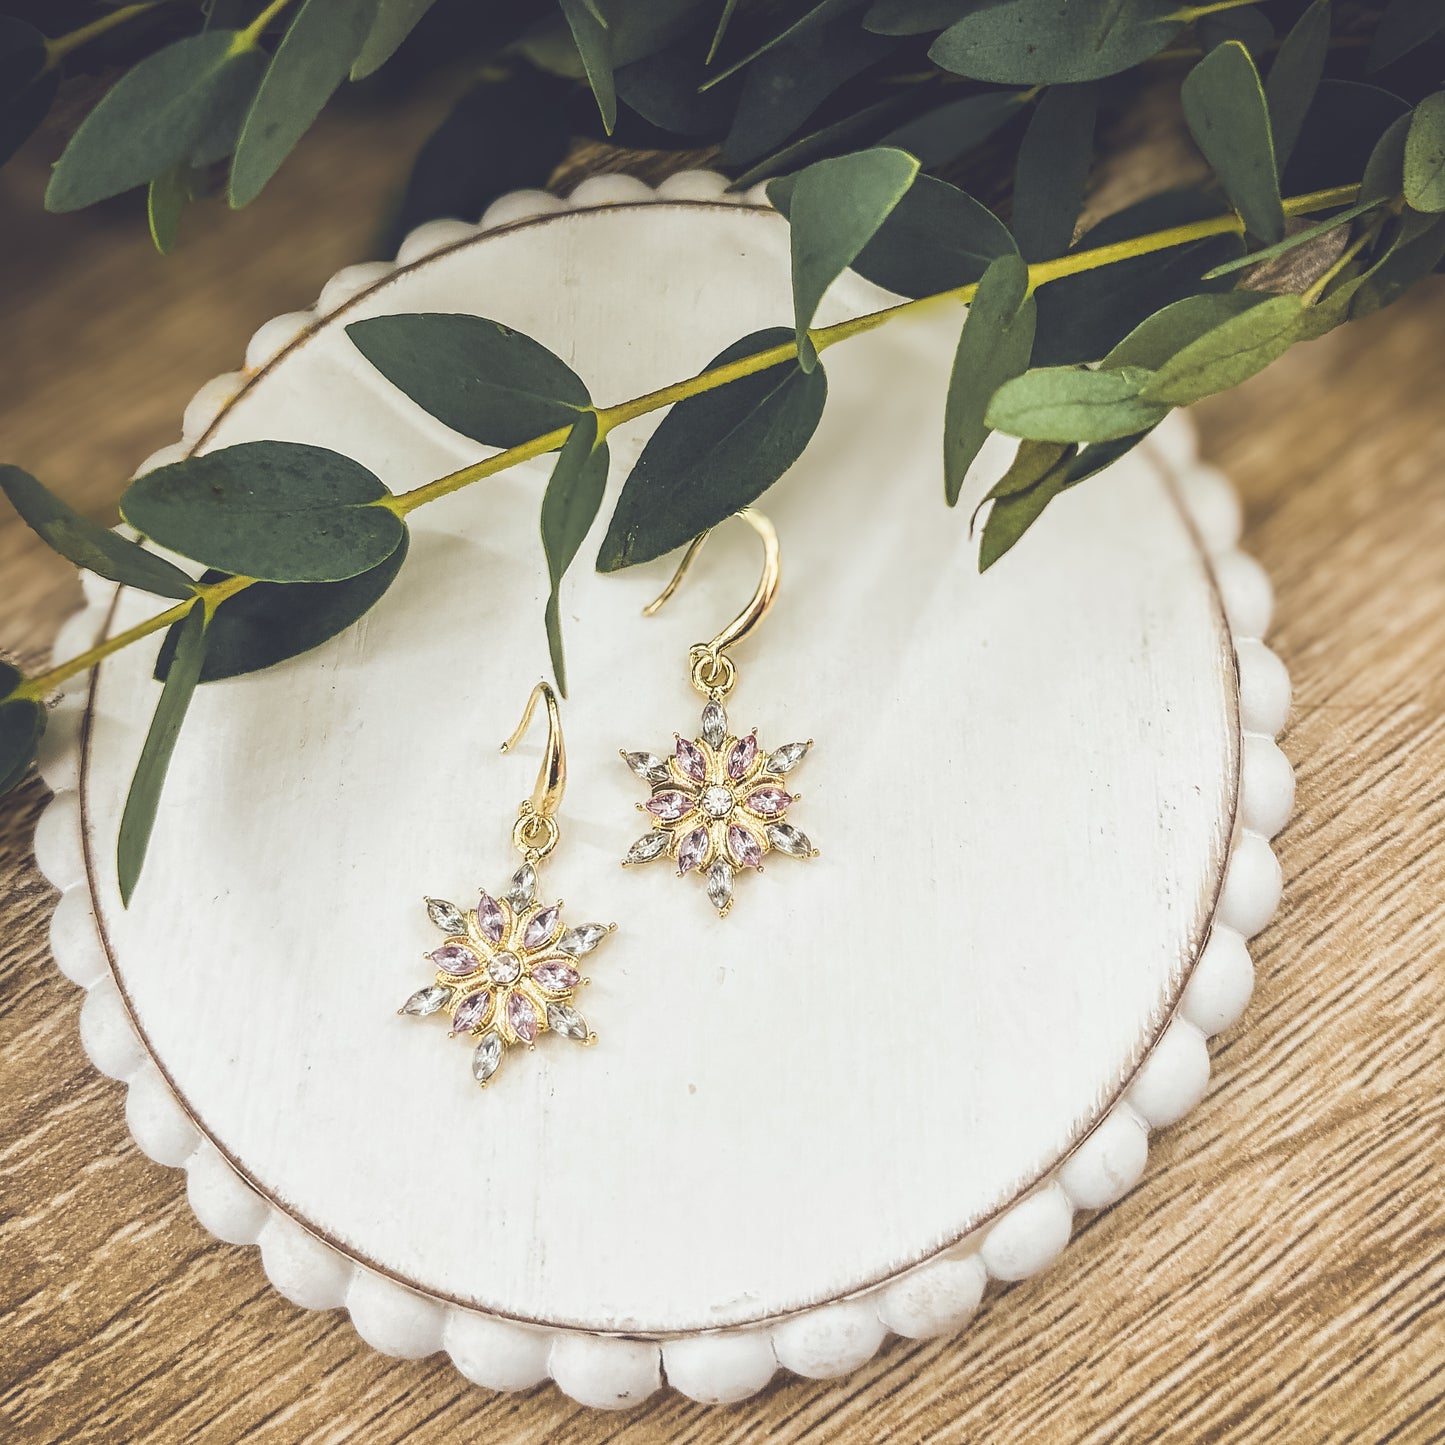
(507, 970)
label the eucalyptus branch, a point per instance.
(59, 46)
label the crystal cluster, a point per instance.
(506, 972)
(718, 805)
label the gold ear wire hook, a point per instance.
(536, 832)
(712, 670)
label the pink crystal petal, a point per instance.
(491, 921)
(743, 848)
(669, 804)
(741, 756)
(554, 976)
(692, 850)
(767, 802)
(455, 959)
(539, 929)
(471, 1011)
(522, 1016)
(691, 760)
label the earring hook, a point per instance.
(712, 670)
(536, 832)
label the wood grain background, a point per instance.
(1279, 1275)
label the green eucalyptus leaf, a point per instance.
(835, 207)
(1225, 108)
(1413, 257)
(1068, 404)
(166, 198)
(663, 89)
(1032, 462)
(994, 346)
(1295, 77)
(270, 622)
(22, 723)
(395, 20)
(714, 454)
(1340, 129)
(1082, 316)
(1052, 170)
(829, 140)
(1158, 337)
(1094, 458)
(914, 17)
(1293, 241)
(783, 87)
(1230, 353)
(1405, 26)
(569, 507)
(86, 543)
(480, 378)
(1425, 156)
(1054, 42)
(594, 45)
(138, 820)
(312, 60)
(27, 84)
(936, 238)
(1043, 474)
(946, 131)
(278, 511)
(152, 118)
(796, 22)
(1384, 177)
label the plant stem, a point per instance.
(248, 38)
(60, 46)
(1040, 274)
(1190, 13)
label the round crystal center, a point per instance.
(504, 968)
(717, 802)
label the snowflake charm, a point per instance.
(506, 972)
(718, 805)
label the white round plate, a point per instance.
(891, 1071)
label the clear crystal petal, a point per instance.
(648, 847)
(427, 1001)
(790, 840)
(582, 939)
(787, 757)
(487, 1056)
(649, 768)
(524, 886)
(446, 916)
(714, 724)
(720, 884)
(565, 1020)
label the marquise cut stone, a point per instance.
(790, 840)
(446, 916)
(767, 802)
(743, 848)
(539, 929)
(491, 921)
(524, 886)
(565, 1020)
(554, 976)
(720, 884)
(456, 959)
(471, 1011)
(522, 1016)
(582, 939)
(647, 847)
(740, 757)
(787, 757)
(669, 805)
(692, 850)
(503, 968)
(487, 1056)
(714, 724)
(690, 760)
(427, 1001)
(649, 768)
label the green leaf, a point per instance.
(914, 17)
(138, 819)
(1043, 471)
(1295, 77)
(152, 118)
(21, 724)
(1384, 177)
(278, 511)
(663, 89)
(1405, 26)
(1291, 242)
(1082, 316)
(1032, 462)
(835, 207)
(480, 378)
(828, 140)
(569, 507)
(27, 84)
(940, 134)
(1094, 458)
(1052, 170)
(994, 346)
(794, 26)
(311, 61)
(1160, 336)
(1054, 42)
(1066, 404)
(1412, 258)
(1425, 155)
(714, 454)
(86, 543)
(166, 199)
(936, 238)
(1225, 108)
(270, 622)
(395, 20)
(594, 45)
(1232, 352)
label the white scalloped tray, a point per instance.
(1043, 798)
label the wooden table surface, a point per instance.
(1279, 1274)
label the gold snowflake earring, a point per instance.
(507, 970)
(719, 804)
